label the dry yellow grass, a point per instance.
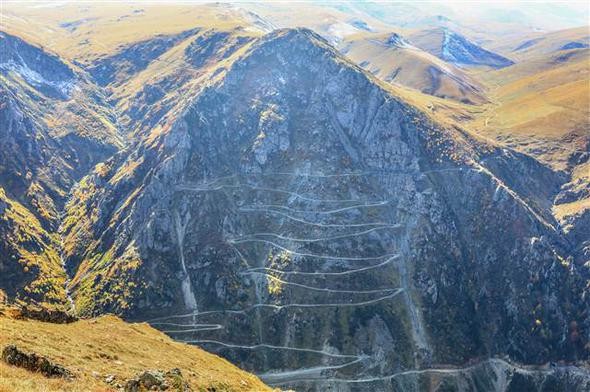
(412, 67)
(539, 43)
(540, 106)
(580, 177)
(85, 31)
(562, 211)
(106, 345)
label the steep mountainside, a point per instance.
(393, 59)
(417, 221)
(301, 220)
(54, 129)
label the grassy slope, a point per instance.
(581, 179)
(539, 43)
(540, 106)
(108, 345)
(412, 67)
(87, 31)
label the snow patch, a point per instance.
(35, 79)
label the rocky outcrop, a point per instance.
(459, 50)
(159, 381)
(454, 48)
(33, 362)
(45, 315)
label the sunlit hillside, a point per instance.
(85, 31)
(95, 349)
(394, 59)
(541, 106)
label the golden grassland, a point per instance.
(540, 43)
(412, 67)
(86, 31)
(540, 107)
(94, 348)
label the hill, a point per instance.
(395, 60)
(266, 198)
(94, 349)
(535, 44)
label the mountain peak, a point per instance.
(299, 35)
(396, 40)
(460, 50)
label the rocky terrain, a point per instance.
(267, 199)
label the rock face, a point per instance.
(459, 50)
(300, 220)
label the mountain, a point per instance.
(457, 49)
(328, 235)
(395, 60)
(265, 197)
